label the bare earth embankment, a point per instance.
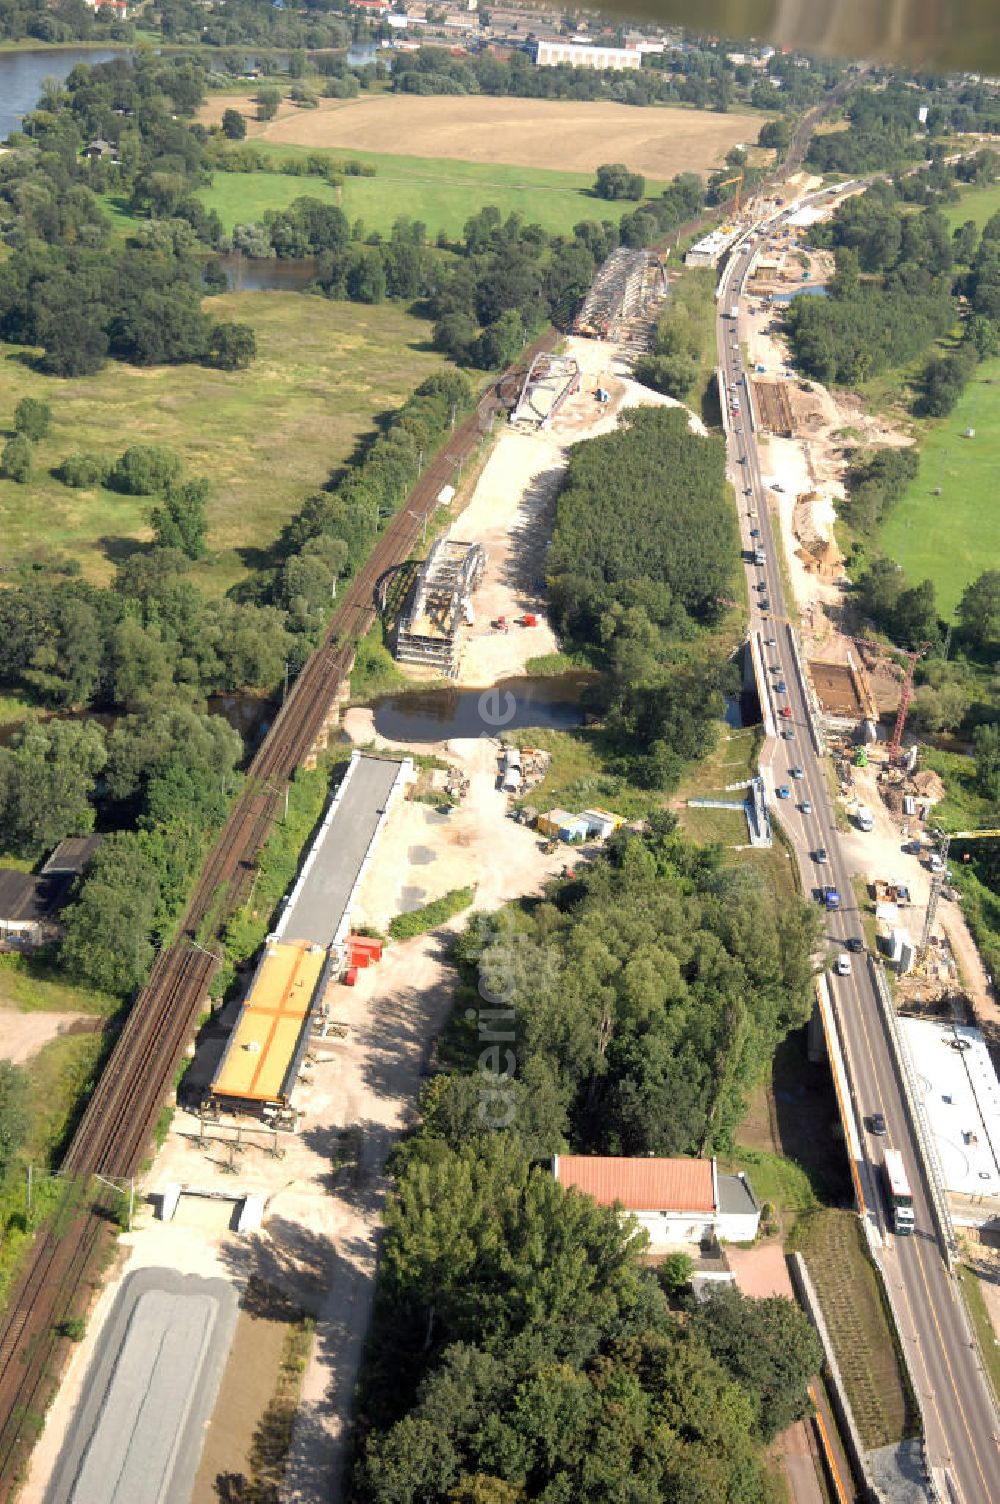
(572, 135)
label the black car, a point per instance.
(855, 944)
(819, 855)
(878, 1124)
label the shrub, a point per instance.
(33, 418)
(82, 470)
(418, 921)
(15, 462)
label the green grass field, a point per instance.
(978, 204)
(440, 192)
(264, 437)
(953, 537)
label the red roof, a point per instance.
(641, 1185)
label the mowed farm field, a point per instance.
(441, 193)
(563, 135)
(953, 537)
(264, 437)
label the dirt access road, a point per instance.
(571, 135)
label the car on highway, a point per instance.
(755, 532)
(806, 807)
(783, 791)
(738, 428)
(765, 605)
(776, 668)
(775, 486)
(819, 855)
(748, 491)
(787, 734)
(877, 1124)
(770, 642)
(782, 687)
(795, 772)
(856, 944)
(842, 965)
(786, 711)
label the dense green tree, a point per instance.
(986, 751)
(234, 125)
(15, 1093)
(268, 100)
(979, 612)
(47, 779)
(145, 470)
(615, 181)
(232, 347)
(180, 521)
(108, 927)
(33, 418)
(769, 1347)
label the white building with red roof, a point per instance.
(677, 1201)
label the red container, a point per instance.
(350, 976)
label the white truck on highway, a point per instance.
(734, 311)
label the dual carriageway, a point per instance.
(962, 1430)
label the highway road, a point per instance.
(962, 1428)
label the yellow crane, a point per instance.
(737, 179)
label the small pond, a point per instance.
(436, 715)
(810, 290)
(250, 274)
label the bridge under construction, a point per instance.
(440, 600)
(625, 287)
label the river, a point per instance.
(436, 715)
(21, 75)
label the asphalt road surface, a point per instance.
(962, 1428)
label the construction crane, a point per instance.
(738, 179)
(945, 838)
(905, 700)
(906, 692)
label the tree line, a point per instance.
(642, 558)
(521, 1350)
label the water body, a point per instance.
(811, 290)
(21, 75)
(435, 715)
(248, 274)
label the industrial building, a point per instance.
(960, 1096)
(439, 601)
(311, 945)
(548, 54)
(676, 1201)
(710, 249)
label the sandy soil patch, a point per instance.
(424, 854)
(24, 1034)
(760, 1270)
(513, 506)
(567, 135)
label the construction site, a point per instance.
(440, 601)
(551, 379)
(618, 305)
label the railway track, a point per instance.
(116, 1127)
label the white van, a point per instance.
(843, 965)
